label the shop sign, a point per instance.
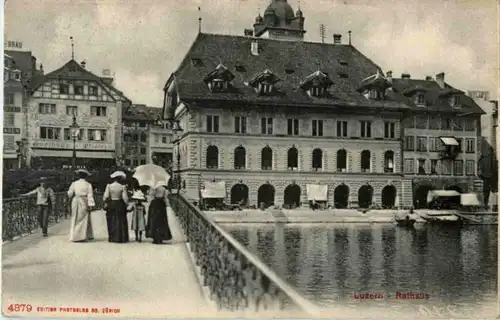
(69, 145)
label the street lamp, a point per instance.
(177, 129)
(75, 131)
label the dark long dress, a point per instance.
(157, 227)
(118, 224)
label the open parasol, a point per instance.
(150, 175)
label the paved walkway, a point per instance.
(139, 279)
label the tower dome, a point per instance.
(282, 10)
(259, 19)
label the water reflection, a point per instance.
(328, 263)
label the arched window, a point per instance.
(267, 158)
(317, 159)
(365, 161)
(342, 160)
(212, 157)
(240, 158)
(389, 161)
(293, 158)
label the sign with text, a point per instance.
(9, 44)
(69, 145)
(11, 130)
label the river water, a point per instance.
(333, 265)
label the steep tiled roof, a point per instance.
(141, 112)
(22, 58)
(73, 70)
(434, 95)
(291, 61)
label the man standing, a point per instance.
(45, 201)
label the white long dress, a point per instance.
(82, 197)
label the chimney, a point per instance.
(33, 64)
(440, 79)
(255, 48)
(405, 76)
(428, 78)
(248, 32)
(337, 38)
(388, 75)
(41, 69)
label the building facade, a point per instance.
(273, 117)
(19, 68)
(73, 92)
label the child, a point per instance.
(138, 210)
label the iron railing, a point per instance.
(20, 215)
(236, 278)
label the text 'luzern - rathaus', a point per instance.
(272, 118)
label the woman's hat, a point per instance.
(138, 195)
(83, 171)
(117, 174)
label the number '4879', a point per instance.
(20, 307)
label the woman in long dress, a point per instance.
(157, 227)
(82, 201)
(116, 199)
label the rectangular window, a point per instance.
(98, 111)
(409, 166)
(143, 161)
(46, 108)
(293, 127)
(50, 133)
(421, 122)
(458, 168)
(446, 165)
(143, 150)
(458, 124)
(240, 124)
(470, 166)
(460, 146)
(9, 120)
(422, 144)
(409, 143)
(420, 99)
(266, 125)
(421, 166)
(127, 162)
(72, 111)
(389, 130)
(78, 90)
(96, 134)
(366, 129)
(470, 125)
(317, 128)
(445, 123)
(63, 88)
(435, 122)
(164, 140)
(434, 166)
(68, 136)
(469, 146)
(8, 99)
(435, 144)
(92, 91)
(342, 129)
(135, 162)
(213, 124)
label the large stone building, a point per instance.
(271, 118)
(68, 92)
(441, 135)
(19, 68)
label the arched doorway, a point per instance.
(239, 194)
(389, 197)
(365, 195)
(420, 197)
(265, 195)
(292, 196)
(341, 196)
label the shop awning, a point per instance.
(449, 141)
(317, 192)
(214, 190)
(469, 199)
(433, 194)
(69, 154)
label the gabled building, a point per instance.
(273, 119)
(73, 91)
(442, 135)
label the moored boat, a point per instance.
(406, 223)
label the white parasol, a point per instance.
(150, 175)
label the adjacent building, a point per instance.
(19, 68)
(277, 120)
(73, 92)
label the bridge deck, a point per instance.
(140, 279)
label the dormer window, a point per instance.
(218, 80)
(455, 101)
(317, 84)
(374, 87)
(264, 82)
(420, 99)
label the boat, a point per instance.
(444, 219)
(406, 222)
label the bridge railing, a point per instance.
(20, 214)
(235, 277)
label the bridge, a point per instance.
(203, 271)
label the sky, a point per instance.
(143, 41)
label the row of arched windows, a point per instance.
(212, 159)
